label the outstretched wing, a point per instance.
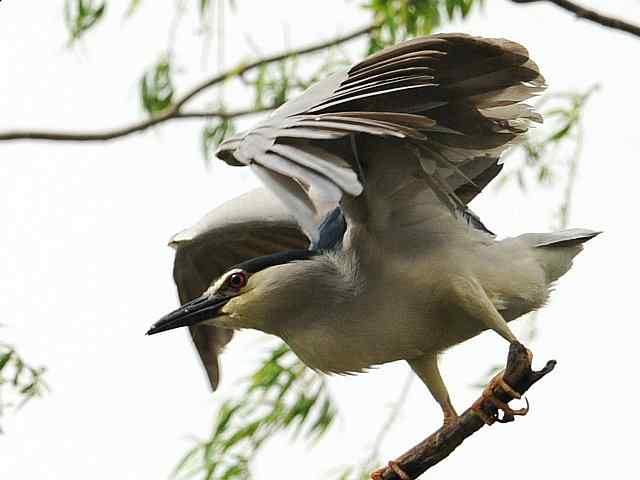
(421, 123)
(248, 226)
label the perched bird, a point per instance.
(373, 255)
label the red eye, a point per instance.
(237, 280)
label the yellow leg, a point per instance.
(471, 297)
(426, 367)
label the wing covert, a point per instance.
(245, 227)
(449, 103)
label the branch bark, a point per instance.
(444, 441)
(592, 15)
(111, 134)
(241, 69)
(175, 111)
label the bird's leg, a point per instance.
(450, 414)
(426, 367)
(474, 300)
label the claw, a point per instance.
(377, 474)
(499, 381)
(489, 395)
(477, 409)
(508, 412)
(450, 418)
(397, 469)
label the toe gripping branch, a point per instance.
(490, 397)
(516, 379)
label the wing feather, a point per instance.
(249, 226)
(449, 103)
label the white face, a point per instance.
(280, 296)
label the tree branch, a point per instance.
(440, 444)
(244, 68)
(121, 132)
(175, 111)
(592, 15)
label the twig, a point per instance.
(175, 111)
(440, 444)
(244, 68)
(391, 419)
(121, 132)
(592, 15)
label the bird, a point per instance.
(361, 248)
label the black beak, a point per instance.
(195, 311)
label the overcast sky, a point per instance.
(85, 268)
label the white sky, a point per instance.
(85, 267)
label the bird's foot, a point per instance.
(489, 395)
(377, 474)
(450, 415)
(450, 420)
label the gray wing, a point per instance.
(419, 126)
(248, 226)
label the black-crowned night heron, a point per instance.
(376, 164)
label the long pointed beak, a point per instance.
(191, 313)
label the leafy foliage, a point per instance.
(281, 394)
(540, 163)
(19, 381)
(213, 134)
(133, 6)
(156, 87)
(272, 84)
(81, 15)
(402, 19)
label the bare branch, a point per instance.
(244, 68)
(121, 132)
(592, 15)
(443, 442)
(175, 111)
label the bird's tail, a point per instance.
(556, 250)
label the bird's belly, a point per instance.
(343, 345)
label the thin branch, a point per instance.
(244, 68)
(222, 115)
(443, 442)
(133, 128)
(392, 417)
(592, 15)
(175, 111)
(572, 176)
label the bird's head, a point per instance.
(246, 296)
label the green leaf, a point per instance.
(186, 460)
(156, 87)
(19, 367)
(19, 381)
(80, 16)
(4, 359)
(276, 397)
(213, 135)
(402, 19)
(133, 6)
(224, 417)
(204, 7)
